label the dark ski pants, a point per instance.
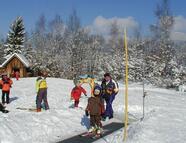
(42, 96)
(95, 121)
(109, 110)
(5, 93)
(76, 103)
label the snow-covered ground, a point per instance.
(164, 122)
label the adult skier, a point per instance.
(110, 89)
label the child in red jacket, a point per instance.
(76, 94)
(17, 75)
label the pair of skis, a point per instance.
(28, 109)
(4, 111)
(2, 108)
(92, 135)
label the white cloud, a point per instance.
(178, 36)
(179, 29)
(101, 25)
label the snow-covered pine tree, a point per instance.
(113, 53)
(76, 38)
(15, 39)
(94, 47)
(1, 47)
(181, 53)
(162, 46)
(1, 51)
(136, 59)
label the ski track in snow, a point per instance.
(164, 120)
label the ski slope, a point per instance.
(164, 122)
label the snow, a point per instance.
(164, 120)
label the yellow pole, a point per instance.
(126, 85)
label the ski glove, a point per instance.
(86, 113)
(109, 91)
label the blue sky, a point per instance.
(141, 11)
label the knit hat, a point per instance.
(44, 74)
(4, 74)
(107, 74)
(97, 90)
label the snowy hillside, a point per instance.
(164, 115)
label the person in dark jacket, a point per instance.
(95, 108)
(110, 89)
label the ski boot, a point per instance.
(99, 130)
(92, 129)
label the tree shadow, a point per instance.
(85, 121)
(13, 98)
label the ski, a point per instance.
(92, 135)
(4, 111)
(87, 134)
(96, 136)
(79, 107)
(2, 108)
(28, 109)
(32, 110)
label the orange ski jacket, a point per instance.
(6, 84)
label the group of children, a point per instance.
(95, 107)
(41, 90)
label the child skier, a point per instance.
(41, 88)
(76, 94)
(6, 84)
(95, 108)
(17, 75)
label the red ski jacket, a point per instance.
(76, 92)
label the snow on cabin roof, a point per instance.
(19, 56)
(2, 60)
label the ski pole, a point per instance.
(144, 95)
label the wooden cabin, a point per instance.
(13, 63)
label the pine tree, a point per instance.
(15, 39)
(1, 51)
(162, 47)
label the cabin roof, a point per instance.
(19, 56)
